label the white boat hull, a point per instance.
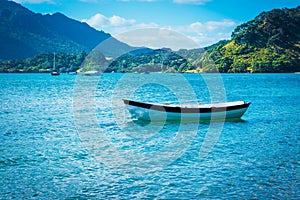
(204, 112)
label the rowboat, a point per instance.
(186, 112)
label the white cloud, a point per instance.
(199, 2)
(34, 1)
(119, 21)
(146, 34)
(209, 32)
(101, 21)
(157, 38)
(211, 25)
(116, 24)
(89, 1)
(138, 0)
(140, 34)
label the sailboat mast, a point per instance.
(54, 72)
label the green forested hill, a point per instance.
(43, 63)
(268, 43)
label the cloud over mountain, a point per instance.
(99, 21)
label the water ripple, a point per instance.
(42, 155)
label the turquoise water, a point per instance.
(62, 137)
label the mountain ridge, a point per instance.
(24, 34)
(268, 43)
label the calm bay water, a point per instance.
(47, 148)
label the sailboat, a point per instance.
(54, 71)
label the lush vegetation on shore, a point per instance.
(44, 63)
(268, 43)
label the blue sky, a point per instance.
(203, 21)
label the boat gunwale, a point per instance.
(186, 109)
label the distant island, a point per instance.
(270, 43)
